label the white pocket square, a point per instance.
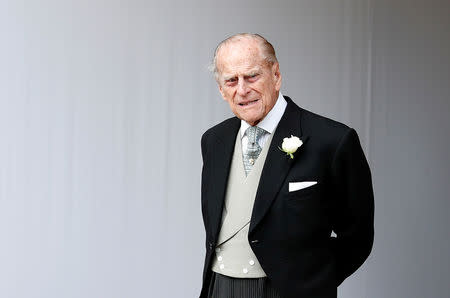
(294, 186)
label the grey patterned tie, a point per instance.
(254, 133)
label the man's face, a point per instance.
(246, 81)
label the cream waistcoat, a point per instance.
(234, 256)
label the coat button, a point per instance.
(245, 270)
(251, 262)
(211, 245)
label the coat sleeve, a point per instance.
(354, 217)
(204, 176)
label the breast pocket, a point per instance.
(305, 208)
(298, 191)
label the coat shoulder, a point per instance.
(328, 130)
(220, 129)
(218, 132)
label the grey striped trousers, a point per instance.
(222, 286)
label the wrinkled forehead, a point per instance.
(239, 55)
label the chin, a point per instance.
(252, 121)
(250, 117)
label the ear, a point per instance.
(276, 75)
(221, 91)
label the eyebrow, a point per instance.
(249, 73)
(227, 78)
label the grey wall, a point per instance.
(410, 142)
(102, 105)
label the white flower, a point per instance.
(290, 145)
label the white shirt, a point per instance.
(269, 123)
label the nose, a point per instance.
(243, 88)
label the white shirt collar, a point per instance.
(270, 122)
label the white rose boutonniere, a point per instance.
(290, 145)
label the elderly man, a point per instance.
(277, 182)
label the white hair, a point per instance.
(266, 47)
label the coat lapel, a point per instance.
(222, 153)
(277, 164)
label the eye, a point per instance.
(231, 81)
(252, 77)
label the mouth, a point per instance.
(248, 103)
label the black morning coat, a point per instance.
(290, 232)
